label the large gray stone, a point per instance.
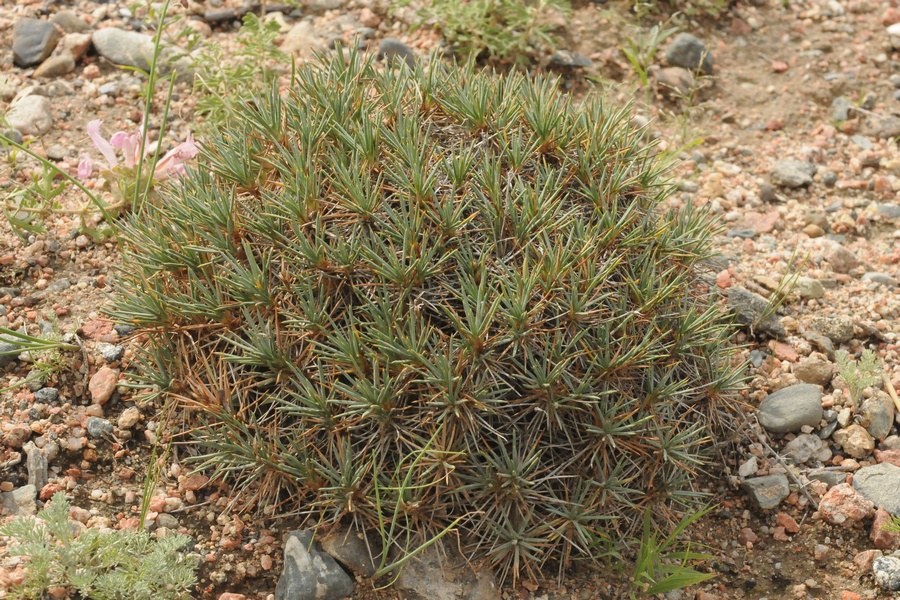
(30, 115)
(33, 41)
(444, 575)
(353, 549)
(21, 502)
(689, 52)
(791, 408)
(310, 574)
(791, 173)
(131, 49)
(877, 415)
(837, 329)
(767, 491)
(391, 49)
(880, 483)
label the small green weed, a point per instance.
(858, 375)
(641, 49)
(504, 30)
(95, 564)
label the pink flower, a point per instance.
(130, 145)
(105, 148)
(173, 161)
(85, 167)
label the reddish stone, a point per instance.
(779, 535)
(265, 561)
(883, 186)
(852, 184)
(864, 560)
(843, 505)
(723, 279)
(845, 595)
(881, 536)
(890, 16)
(783, 351)
(746, 536)
(779, 66)
(762, 222)
(103, 384)
(888, 456)
(230, 543)
(48, 490)
(787, 521)
(99, 330)
(740, 27)
(15, 437)
(192, 483)
(368, 18)
(231, 596)
(129, 523)
(774, 124)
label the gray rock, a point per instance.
(353, 549)
(887, 127)
(748, 467)
(887, 572)
(98, 428)
(123, 329)
(110, 88)
(791, 408)
(877, 415)
(444, 575)
(9, 349)
(393, 49)
(804, 447)
(310, 574)
(841, 259)
(791, 173)
(56, 66)
(879, 483)
(829, 478)
(824, 344)
(767, 491)
(36, 464)
(744, 233)
(813, 370)
(46, 395)
(829, 178)
(110, 352)
(837, 329)
(674, 81)
(33, 41)
(30, 115)
(57, 152)
(749, 308)
(166, 520)
(840, 108)
(128, 48)
(891, 211)
(69, 22)
(809, 288)
(21, 502)
(689, 52)
(880, 278)
(570, 60)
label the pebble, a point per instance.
(30, 115)
(879, 278)
(129, 418)
(840, 108)
(876, 414)
(309, 573)
(110, 352)
(33, 41)
(98, 428)
(843, 505)
(570, 60)
(791, 408)
(806, 446)
(841, 259)
(808, 288)
(749, 308)
(36, 463)
(347, 545)
(46, 395)
(166, 520)
(887, 572)
(816, 371)
(748, 467)
(393, 49)
(837, 329)
(879, 483)
(69, 21)
(56, 66)
(103, 384)
(21, 502)
(792, 173)
(881, 534)
(675, 81)
(689, 52)
(855, 441)
(767, 491)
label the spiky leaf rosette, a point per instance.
(414, 298)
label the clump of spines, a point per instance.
(436, 295)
